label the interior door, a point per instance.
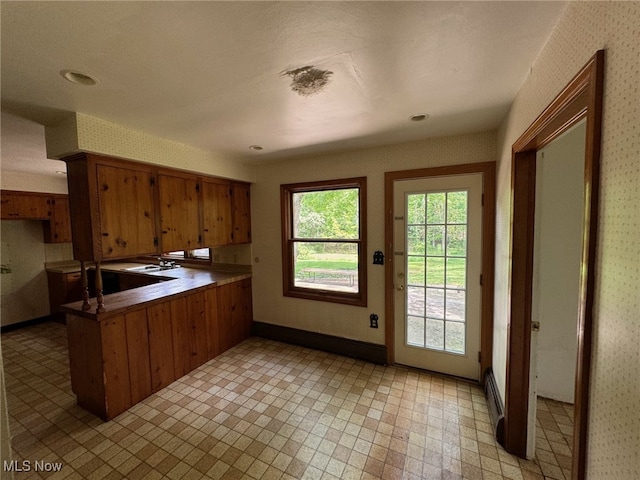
(437, 268)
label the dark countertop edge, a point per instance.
(188, 287)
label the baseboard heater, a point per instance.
(496, 408)
(370, 352)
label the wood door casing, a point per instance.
(179, 213)
(581, 98)
(126, 212)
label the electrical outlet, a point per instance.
(374, 320)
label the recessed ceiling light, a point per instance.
(418, 117)
(256, 148)
(78, 77)
(60, 172)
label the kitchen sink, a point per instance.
(144, 268)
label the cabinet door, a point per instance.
(127, 220)
(17, 205)
(138, 353)
(161, 354)
(241, 214)
(9, 206)
(225, 316)
(245, 303)
(63, 288)
(58, 229)
(213, 324)
(217, 214)
(179, 213)
(235, 313)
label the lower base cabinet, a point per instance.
(118, 361)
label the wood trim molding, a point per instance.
(370, 352)
(289, 289)
(488, 170)
(580, 99)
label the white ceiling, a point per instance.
(210, 74)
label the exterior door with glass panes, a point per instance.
(437, 267)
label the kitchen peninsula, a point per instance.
(149, 336)
(127, 345)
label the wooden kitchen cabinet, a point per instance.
(15, 205)
(123, 209)
(235, 313)
(118, 360)
(63, 288)
(126, 206)
(52, 208)
(160, 345)
(217, 211)
(112, 205)
(58, 228)
(226, 210)
(179, 212)
(241, 214)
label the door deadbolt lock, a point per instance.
(535, 326)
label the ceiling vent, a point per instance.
(307, 81)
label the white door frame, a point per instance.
(465, 364)
(487, 169)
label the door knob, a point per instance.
(400, 287)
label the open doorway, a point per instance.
(555, 299)
(580, 100)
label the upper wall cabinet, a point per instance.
(217, 212)
(58, 228)
(25, 205)
(226, 208)
(112, 205)
(179, 212)
(122, 209)
(52, 208)
(241, 214)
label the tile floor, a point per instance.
(262, 410)
(554, 438)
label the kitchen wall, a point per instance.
(24, 291)
(330, 318)
(29, 182)
(614, 423)
(25, 294)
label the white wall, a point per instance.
(28, 182)
(556, 261)
(614, 423)
(25, 294)
(330, 318)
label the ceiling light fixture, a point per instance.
(60, 172)
(256, 148)
(418, 117)
(78, 78)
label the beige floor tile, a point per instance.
(267, 410)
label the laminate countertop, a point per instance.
(174, 283)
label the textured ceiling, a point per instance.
(218, 75)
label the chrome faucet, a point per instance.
(167, 264)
